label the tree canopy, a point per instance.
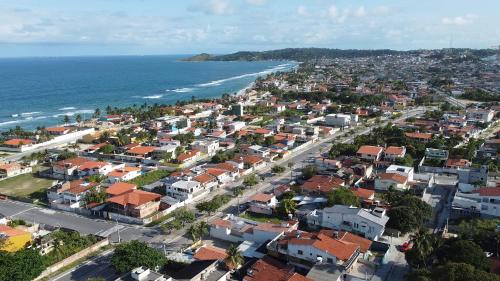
(342, 196)
(130, 255)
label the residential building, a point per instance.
(321, 184)
(13, 239)
(402, 170)
(386, 180)
(369, 152)
(8, 170)
(270, 269)
(480, 115)
(144, 274)
(236, 229)
(124, 174)
(420, 137)
(90, 168)
(393, 152)
(440, 154)
(339, 120)
(208, 146)
(119, 188)
(67, 169)
(304, 249)
(262, 203)
(368, 223)
(184, 189)
(484, 201)
(135, 203)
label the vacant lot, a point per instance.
(260, 218)
(27, 185)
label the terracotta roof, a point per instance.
(394, 150)
(342, 250)
(273, 227)
(262, 131)
(489, 191)
(426, 136)
(261, 197)
(92, 165)
(270, 269)
(370, 150)
(10, 167)
(118, 173)
(72, 162)
(81, 187)
(363, 243)
(457, 162)
(187, 155)
(322, 183)
(210, 253)
(221, 223)
(56, 129)
(394, 177)
(10, 231)
(120, 188)
(204, 178)
(227, 166)
(134, 198)
(17, 142)
(252, 159)
(363, 193)
(216, 172)
(141, 150)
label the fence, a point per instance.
(71, 259)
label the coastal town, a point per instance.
(372, 167)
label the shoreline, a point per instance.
(10, 123)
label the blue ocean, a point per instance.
(41, 91)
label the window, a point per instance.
(484, 207)
(300, 252)
(329, 260)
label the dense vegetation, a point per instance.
(149, 177)
(407, 212)
(480, 95)
(130, 255)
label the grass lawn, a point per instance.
(260, 218)
(27, 185)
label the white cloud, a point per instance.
(302, 11)
(459, 20)
(333, 12)
(256, 2)
(213, 7)
(381, 10)
(360, 12)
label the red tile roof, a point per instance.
(394, 177)
(363, 193)
(120, 188)
(210, 253)
(269, 269)
(456, 162)
(17, 142)
(221, 223)
(370, 150)
(141, 150)
(489, 191)
(204, 178)
(261, 197)
(92, 165)
(394, 150)
(134, 198)
(425, 136)
(322, 183)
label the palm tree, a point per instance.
(66, 119)
(423, 243)
(287, 206)
(233, 257)
(78, 118)
(97, 113)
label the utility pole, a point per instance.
(118, 231)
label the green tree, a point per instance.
(97, 113)
(198, 230)
(286, 207)
(342, 196)
(423, 246)
(23, 265)
(234, 257)
(251, 180)
(309, 171)
(463, 251)
(184, 216)
(66, 119)
(461, 272)
(107, 149)
(78, 118)
(278, 169)
(407, 160)
(130, 255)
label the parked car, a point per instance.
(405, 247)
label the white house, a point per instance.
(393, 152)
(481, 115)
(262, 203)
(90, 168)
(370, 153)
(258, 150)
(370, 224)
(385, 180)
(236, 229)
(184, 189)
(206, 146)
(340, 120)
(434, 153)
(402, 170)
(125, 173)
(484, 201)
(313, 248)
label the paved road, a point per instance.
(99, 266)
(172, 243)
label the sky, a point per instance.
(145, 27)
